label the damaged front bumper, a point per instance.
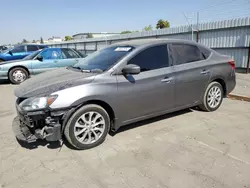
(31, 126)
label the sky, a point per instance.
(32, 19)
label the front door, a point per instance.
(51, 58)
(191, 73)
(151, 91)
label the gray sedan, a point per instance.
(118, 85)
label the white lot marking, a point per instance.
(229, 155)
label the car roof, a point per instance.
(140, 42)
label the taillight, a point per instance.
(232, 64)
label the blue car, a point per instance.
(19, 51)
(40, 61)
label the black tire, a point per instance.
(205, 105)
(22, 70)
(70, 126)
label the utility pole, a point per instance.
(197, 28)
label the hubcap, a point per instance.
(89, 127)
(214, 97)
(19, 76)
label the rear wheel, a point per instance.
(87, 127)
(213, 97)
(18, 75)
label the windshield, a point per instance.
(32, 56)
(103, 59)
(7, 50)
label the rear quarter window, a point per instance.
(205, 52)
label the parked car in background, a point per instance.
(40, 61)
(119, 85)
(2, 48)
(19, 51)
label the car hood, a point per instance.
(49, 82)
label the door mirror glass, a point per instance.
(131, 69)
(10, 52)
(39, 58)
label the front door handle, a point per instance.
(205, 72)
(167, 80)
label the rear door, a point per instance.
(191, 73)
(69, 57)
(151, 91)
(51, 57)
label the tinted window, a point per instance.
(50, 54)
(68, 53)
(18, 49)
(205, 52)
(152, 58)
(42, 47)
(184, 53)
(32, 48)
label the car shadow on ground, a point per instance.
(43, 143)
(4, 82)
(56, 145)
(149, 121)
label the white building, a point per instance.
(55, 39)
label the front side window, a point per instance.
(152, 58)
(32, 48)
(50, 54)
(68, 53)
(185, 53)
(18, 49)
(103, 59)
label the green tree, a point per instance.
(90, 35)
(126, 32)
(24, 41)
(162, 24)
(67, 38)
(41, 41)
(148, 28)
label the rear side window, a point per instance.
(18, 49)
(32, 48)
(185, 53)
(152, 58)
(42, 47)
(205, 52)
(68, 53)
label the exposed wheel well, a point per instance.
(25, 68)
(104, 105)
(223, 84)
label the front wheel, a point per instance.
(213, 97)
(18, 75)
(87, 127)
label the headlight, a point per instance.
(37, 103)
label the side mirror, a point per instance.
(39, 58)
(131, 69)
(10, 52)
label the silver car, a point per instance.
(119, 85)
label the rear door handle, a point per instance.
(205, 72)
(167, 80)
